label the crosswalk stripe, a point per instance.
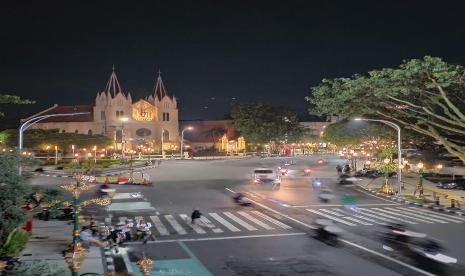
(194, 227)
(159, 226)
(272, 220)
(256, 221)
(345, 217)
(175, 225)
(375, 216)
(434, 215)
(331, 217)
(401, 215)
(240, 221)
(443, 216)
(210, 225)
(417, 215)
(363, 210)
(224, 222)
(358, 216)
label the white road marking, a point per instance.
(345, 217)
(384, 215)
(223, 238)
(210, 225)
(345, 241)
(175, 225)
(443, 216)
(341, 205)
(224, 222)
(256, 221)
(240, 221)
(417, 215)
(331, 217)
(195, 227)
(357, 216)
(388, 258)
(376, 216)
(401, 215)
(159, 226)
(272, 220)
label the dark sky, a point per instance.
(213, 51)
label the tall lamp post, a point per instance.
(162, 137)
(123, 144)
(399, 146)
(420, 181)
(56, 155)
(76, 254)
(28, 123)
(182, 140)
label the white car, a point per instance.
(262, 175)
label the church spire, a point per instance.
(159, 90)
(112, 88)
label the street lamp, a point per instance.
(95, 154)
(399, 146)
(48, 153)
(56, 155)
(420, 181)
(72, 147)
(76, 254)
(182, 139)
(123, 144)
(27, 124)
(162, 150)
(355, 161)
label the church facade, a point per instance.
(149, 123)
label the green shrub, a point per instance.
(15, 244)
(36, 268)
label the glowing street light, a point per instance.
(420, 181)
(182, 139)
(56, 155)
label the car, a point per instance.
(452, 184)
(321, 162)
(345, 179)
(264, 175)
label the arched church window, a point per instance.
(167, 116)
(166, 135)
(117, 113)
(164, 116)
(102, 115)
(89, 132)
(121, 113)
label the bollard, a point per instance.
(452, 203)
(436, 199)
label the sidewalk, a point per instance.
(50, 238)
(410, 181)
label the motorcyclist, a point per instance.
(117, 237)
(143, 230)
(195, 216)
(238, 198)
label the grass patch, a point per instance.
(15, 244)
(415, 199)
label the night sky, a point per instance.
(213, 53)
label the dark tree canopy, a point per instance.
(423, 95)
(264, 123)
(39, 138)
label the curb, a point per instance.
(437, 208)
(107, 174)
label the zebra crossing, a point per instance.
(213, 222)
(383, 215)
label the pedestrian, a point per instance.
(195, 216)
(117, 236)
(88, 240)
(127, 229)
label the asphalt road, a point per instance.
(272, 237)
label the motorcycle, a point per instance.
(307, 172)
(419, 247)
(240, 199)
(327, 232)
(325, 195)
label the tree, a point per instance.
(349, 133)
(38, 139)
(12, 99)
(215, 133)
(263, 123)
(14, 191)
(423, 95)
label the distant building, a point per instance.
(114, 114)
(218, 135)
